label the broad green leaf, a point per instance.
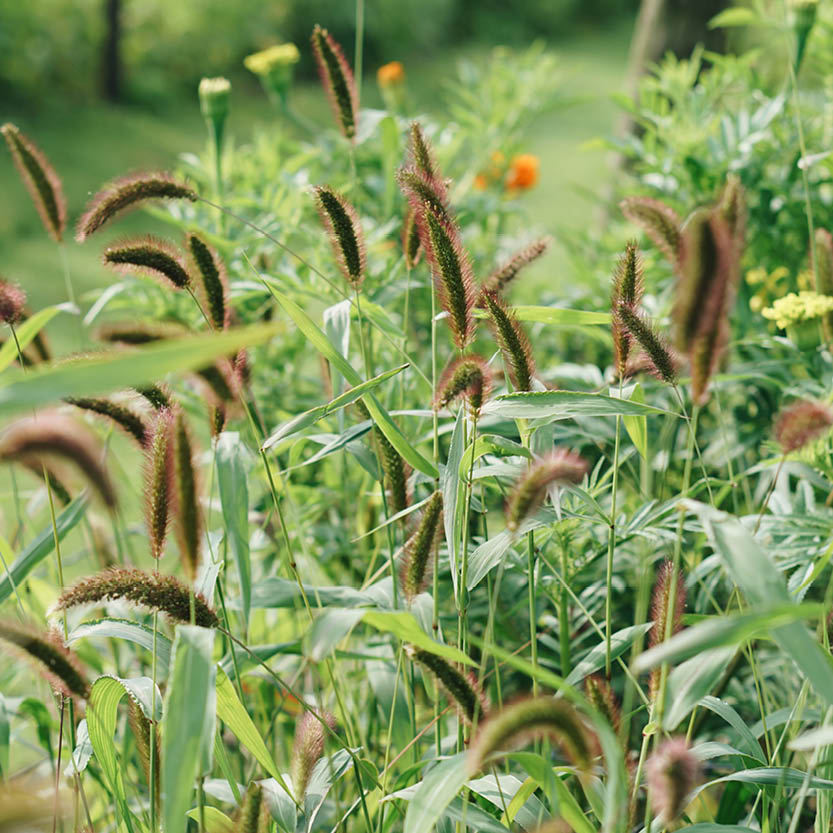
(232, 471)
(325, 773)
(281, 806)
(26, 333)
(274, 592)
(505, 791)
(216, 821)
(403, 625)
(595, 659)
(310, 417)
(720, 631)
(734, 17)
(690, 682)
(129, 630)
(188, 722)
(118, 369)
(452, 487)
(491, 444)
(770, 777)
(556, 315)
(637, 426)
(565, 404)
(815, 738)
(747, 743)
(42, 546)
(434, 794)
(380, 416)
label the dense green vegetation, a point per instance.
(344, 498)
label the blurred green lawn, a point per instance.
(90, 145)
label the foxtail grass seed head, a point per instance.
(139, 332)
(337, 78)
(505, 274)
(141, 728)
(396, 472)
(460, 686)
(467, 376)
(601, 697)
(415, 573)
(149, 256)
(637, 327)
(531, 718)
(188, 519)
(422, 156)
(47, 473)
(128, 420)
(345, 232)
(643, 363)
(59, 436)
(411, 247)
(214, 95)
(802, 423)
(660, 222)
(627, 289)
(560, 467)
(12, 302)
(247, 818)
(151, 591)
(208, 265)
(40, 179)
(672, 773)
(512, 340)
(822, 258)
(56, 663)
(307, 750)
(452, 273)
(705, 354)
(661, 610)
(159, 482)
(128, 193)
(157, 395)
(419, 189)
(732, 208)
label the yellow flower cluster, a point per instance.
(279, 56)
(796, 307)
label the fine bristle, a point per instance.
(337, 78)
(507, 272)
(468, 376)
(638, 327)
(512, 340)
(660, 222)
(310, 734)
(128, 193)
(672, 773)
(343, 227)
(41, 180)
(159, 482)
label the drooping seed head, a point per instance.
(152, 591)
(126, 194)
(660, 222)
(345, 232)
(59, 436)
(188, 518)
(411, 247)
(56, 663)
(40, 179)
(307, 750)
(505, 274)
(158, 396)
(12, 302)
(417, 564)
(560, 467)
(512, 340)
(705, 355)
(337, 78)
(159, 481)
(139, 332)
(663, 608)
(149, 256)
(208, 265)
(460, 686)
(802, 423)
(672, 773)
(247, 818)
(50, 478)
(126, 418)
(452, 273)
(526, 720)
(396, 472)
(419, 188)
(636, 326)
(603, 700)
(643, 363)
(467, 376)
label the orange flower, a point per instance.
(480, 183)
(523, 172)
(390, 74)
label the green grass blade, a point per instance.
(434, 794)
(564, 404)
(26, 333)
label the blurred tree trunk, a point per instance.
(111, 68)
(686, 23)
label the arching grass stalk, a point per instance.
(464, 593)
(611, 542)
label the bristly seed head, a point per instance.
(419, 188)
(139, 332)
(672, 773)
(40, 179)
(801, 423)
(55, 435)
(149, 256)
(127, 419)
(661, 609)
(660, 222)
(460, 686)
(214, 283)
(153, 591)
(56, 662)
(422, 157)
(627, 289)
(141, 728)
(307, 750)
(337, 78)
(344, 229)
(12, 302)
(396, 472)
(505, 274)
(603, 700)
(128, 193)
(531, 718)
(467, 376)
(559, 467)
(188, 519)
(247, 818)
(637, 326)
(159, 481)
(411, 247)
(512, 340)
(415, 572)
